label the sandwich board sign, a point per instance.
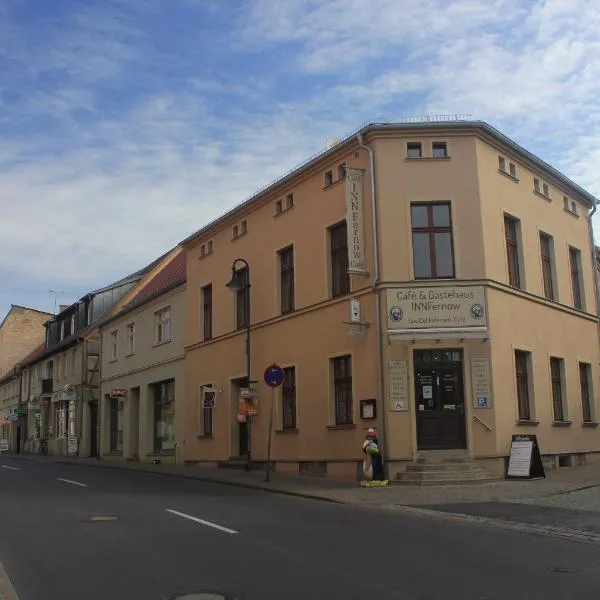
(525, 461)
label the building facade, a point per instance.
(434, 280)
(143, 377)
(21, 331)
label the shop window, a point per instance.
(289, 398)
(585, 384)
(558, 400)
(522, 372)
(342, 385)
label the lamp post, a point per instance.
(237, 283)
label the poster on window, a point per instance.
(209, 397)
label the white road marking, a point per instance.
(201, 521)
(11, 468)
(72, 482)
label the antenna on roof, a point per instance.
(56, 293)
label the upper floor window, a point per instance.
(576, 278)
(286, 264)
(585, 385)
(162, 324)
(432, 240)
(414, 150)
(547, 256)
(522, 370)
(131, 338)
(439, 149)
(513, 250)
(501, 163)
(289, 201)
(207, 312)
(340, 279)
(328, 178)
(242, 300)
(512, 169)
(113, 345)
(243, 227)
(558, 400)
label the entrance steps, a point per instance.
(443, 468)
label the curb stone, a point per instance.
(572, 535)
(193, 477)
(7, 591)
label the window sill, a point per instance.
(113, 360)
(515, 179)
(238, 236)
(570, 212)
(547, 198)
(528, 423)
(161, 343)
(426, 158)
(283, 211)
(130, 355)
(590, 424)
(287, 430)
(341, 427)
(205, 255)
(332, 184)
(205, 436)
(562, 423)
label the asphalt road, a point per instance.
(255, 545)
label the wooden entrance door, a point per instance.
(440, 400)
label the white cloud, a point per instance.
(183, 151)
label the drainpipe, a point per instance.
(375, 288)
(594, 261)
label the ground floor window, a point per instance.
(164, 416)
(60, 419)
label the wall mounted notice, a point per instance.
(525, 461)
(482, 387)
(398, 382)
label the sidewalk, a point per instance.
(562, 488)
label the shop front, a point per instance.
(438, 379)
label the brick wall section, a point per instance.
(21, 332)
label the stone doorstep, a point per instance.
(444, 482)
(442, 466)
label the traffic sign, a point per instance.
(274, 375)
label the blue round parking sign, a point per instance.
(274, 375)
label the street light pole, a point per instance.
(236, 284)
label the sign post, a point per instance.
(525, 461)
(274, 377)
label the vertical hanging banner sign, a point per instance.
(355, 221)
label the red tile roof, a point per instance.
(168, 278)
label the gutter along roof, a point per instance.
(481, 128)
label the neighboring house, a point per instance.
(10, 402)
(21, 331)
(143, 375)
(63, 386)
(465, 313)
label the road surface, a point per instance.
(70, 532)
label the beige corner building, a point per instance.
(432, 280)
(142, 365)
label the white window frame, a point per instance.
(130, 338)
(162, 325)
(114, 344)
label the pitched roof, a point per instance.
(172, 275)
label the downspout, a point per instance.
(375, 288)
(594, 260)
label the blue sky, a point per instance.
(126, 125)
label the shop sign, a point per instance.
(355, 221)
(436, 307)
(118, 393)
